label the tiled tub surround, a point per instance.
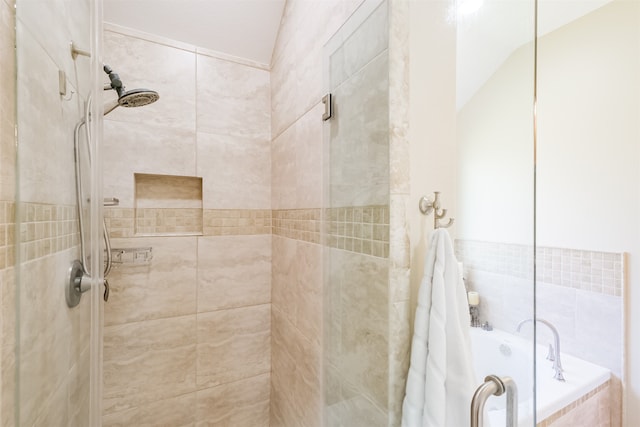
(600, 272)
(579, 292)
(583, 299)
(591, 410)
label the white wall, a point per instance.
(433, 163)
(588, 131)
(495, 137)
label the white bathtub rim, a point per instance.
(552, 395)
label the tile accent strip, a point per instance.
(298, 224)
(601, 272)
(360, 229)
(234, 222)
(163, 221)
(120, 222)
(127, 222)
(46, 229)
(7, 234)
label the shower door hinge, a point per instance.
(327, 100)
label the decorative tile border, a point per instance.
(298, 224)
(550, 420)
(156, 221)
(360, 229)
(235, 222)
(120, 222)
(129, 222)
(7, 234)
(601, 272)
(46, 229)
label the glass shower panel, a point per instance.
(54, 360)
(356, 219)
(587, 192)
(494, 232)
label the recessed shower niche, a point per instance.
(167, 205)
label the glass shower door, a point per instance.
(356, 206)
(57, 346)
(495, 233)
(472, 138)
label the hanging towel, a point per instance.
(441, 377)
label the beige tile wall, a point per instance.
(7, 103)
(188, 334)
(296, 199)
(296, 90)
(357, 336)
(53, 340)
(591, 410)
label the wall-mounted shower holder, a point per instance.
(75, 51)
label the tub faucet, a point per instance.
(554, 352)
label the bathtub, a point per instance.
(497, 352)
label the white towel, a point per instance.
(441, 379)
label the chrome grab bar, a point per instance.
(495, 386)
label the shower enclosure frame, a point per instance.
(97, 215)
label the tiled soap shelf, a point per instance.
(168, 205)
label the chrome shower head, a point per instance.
(138, 98)
(131, 98)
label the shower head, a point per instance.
(138, 98)
(131, 98)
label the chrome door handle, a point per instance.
(495, 386)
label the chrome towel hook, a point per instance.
(430, 204)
